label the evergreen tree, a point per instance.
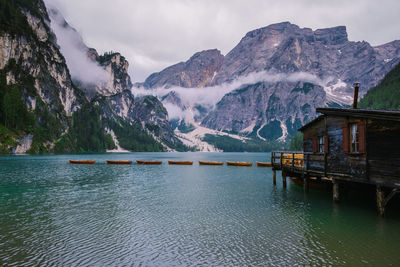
(14, 109)
(386, 95)
(88, 130)
(3, 87)
(296, 144)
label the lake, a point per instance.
(54, 213)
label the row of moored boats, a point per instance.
(173, 162)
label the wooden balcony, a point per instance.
(290, 161)
(300, 164)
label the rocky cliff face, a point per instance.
(268, 111)
(286, 72)
(113, 94)
(38, 57)
(325, 53)
(146, 113)
(111, 68)
(284, 48)
(30, 57)
(117, 67)
(198, 71)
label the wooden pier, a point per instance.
(347, 146)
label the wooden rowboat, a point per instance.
(172, 162)
(239, 163)
(119, 162)
(264, 164)
(211, 163)
(148, 162)
(82, 162)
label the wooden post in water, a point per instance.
(274, 176)
(380, 201)
(306, 184)
(284, 180)
(335, 190)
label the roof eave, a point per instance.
(362, 113)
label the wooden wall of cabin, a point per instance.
(339, 161)
(383, 148)
(317, 160)
(353, 164)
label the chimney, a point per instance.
(356, 86)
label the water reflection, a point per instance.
(54, 213)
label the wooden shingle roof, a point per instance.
(391, 115)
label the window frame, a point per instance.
(321, 144)
(354, 147)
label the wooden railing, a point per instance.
(307, 163)
(292, 160)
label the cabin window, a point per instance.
(321, 144)
(354, 138)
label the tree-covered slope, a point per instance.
(386, 95)
(37, 96)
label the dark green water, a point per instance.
(53, 213)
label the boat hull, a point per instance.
(148, 162)
(217, 163)
(171, 162)
(239, 163)
(119, 162)
(82, 162)
(264, 164)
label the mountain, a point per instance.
(386, 95)
(279, 74)
(198, 71)
(325, 53)
(123, 112)
(58, 95)
(35, 79)
(270, 111)
(96, 74)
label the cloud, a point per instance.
(154, 34)
(81, 67)
(208, 97)
(174, 112)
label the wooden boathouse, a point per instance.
(347, 146)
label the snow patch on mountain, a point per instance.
(335, 93)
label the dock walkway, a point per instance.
(308, 166)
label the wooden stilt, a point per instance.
(274, 176)
(335, 190)
(284, 185)
(306, 184)
(380, 201)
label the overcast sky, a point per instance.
(154, 34)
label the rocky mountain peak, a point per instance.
(198, 71)
(286, 72)
(386, 51)
(117, 67)
(328, 36)
(92, 54)
(331, 36)
(273, 29)
(97, 74)
(48, 70)
(325, 53)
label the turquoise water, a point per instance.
(54, 213)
